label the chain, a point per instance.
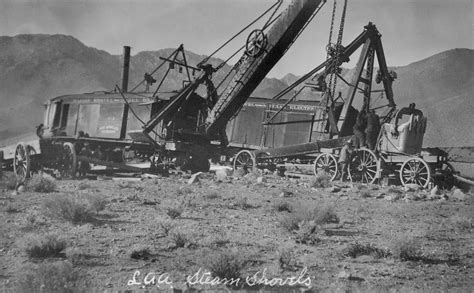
(328, 50)
(338, 48)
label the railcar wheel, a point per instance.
(68, 161)
(22, 162)
(245, 160)
(256, 43)
(415, 171)
(364, 166)
(326, 163)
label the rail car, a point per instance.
(398, 154)
(297, 123)
(81, 129)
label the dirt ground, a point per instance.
(245, 217)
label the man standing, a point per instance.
(373, 129)
(359, 129)
(345, 159)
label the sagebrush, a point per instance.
(52, 277)
(357, 249)
(321, 180)
(67, 207)
(174, 212)
(179, 239)
(314, 214)
(42, 183)
(225, 264)
(42, 246)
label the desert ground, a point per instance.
(299, 235)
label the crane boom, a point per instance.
(253, 70)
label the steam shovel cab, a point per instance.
(84, 129)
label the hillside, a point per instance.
(34, 68)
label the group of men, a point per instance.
(366, 130)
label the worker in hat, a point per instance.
(372, 130)
(359, 129)
(345, 158)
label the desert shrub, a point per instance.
(174, 212)
(225, 264)
(10, 181)
(52, 277)
(290, 222)
(42, 183)
(395, 190)
(83, 185)
(183, 190)
(287, 259)
(179, 239)
(189, 202)
(39, 246)
(30, 223)
(239, 173)
(283, 206)
(243, 203)
(140, 252)
(75, 255)
(365, 193)
(409, 250)
(307, 233)
(95, 202)
(139, 188)
(165, 226)
(219, 238)
(322, 180)
(125, 184)
(67, 207)
(317, 215)
(11, 208)
(462, 224)
(356, 249)
(212, 195)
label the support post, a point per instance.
(125, 71)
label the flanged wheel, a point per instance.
(245, 160)
(256, 43)
(415, 171)
(68, 161)
(22, 162)
(326, 163)
(364, 166)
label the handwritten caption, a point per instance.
(203, 277)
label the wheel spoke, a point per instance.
(372, 171)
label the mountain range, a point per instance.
(34, 68)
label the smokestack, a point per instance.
(125, 70)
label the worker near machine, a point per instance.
(359, 129)
(83, 166)
(373, 129)
(149, 81)
(345, 158)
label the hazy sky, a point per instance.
(411, 29)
